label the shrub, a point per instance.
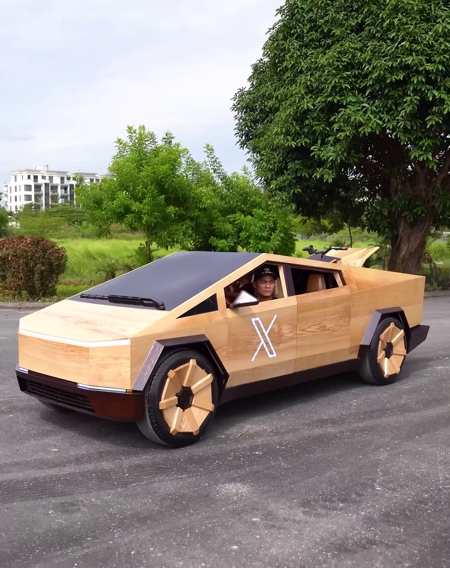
(113, 268)
(30, 267)
(437, 278)
(439, 251)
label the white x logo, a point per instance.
(263, 335)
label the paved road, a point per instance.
(334, 473)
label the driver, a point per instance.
(264, 283)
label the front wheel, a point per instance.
(386, 354)
(180, 399)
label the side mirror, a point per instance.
(244, 299)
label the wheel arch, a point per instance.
(164, 347)
(377, 316)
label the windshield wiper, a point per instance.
(134, 300)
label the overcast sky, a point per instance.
(73, 75)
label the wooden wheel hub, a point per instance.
(186, 400)
(391, 350)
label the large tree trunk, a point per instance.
(409, 245)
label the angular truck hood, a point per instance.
(85, 322)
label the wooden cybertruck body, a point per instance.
(161, 346)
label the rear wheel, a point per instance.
(384, 358)
(180, 399)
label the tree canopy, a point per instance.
(348, 109)
(157, 188)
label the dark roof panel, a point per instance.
(175, 278)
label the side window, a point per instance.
(208, 305)
(232, 291)
(264, 283)
(306, 281)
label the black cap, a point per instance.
(265, 270)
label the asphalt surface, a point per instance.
(334, 473)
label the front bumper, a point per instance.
(116, 404)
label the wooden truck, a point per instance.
(165, 344)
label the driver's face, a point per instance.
(265, 287)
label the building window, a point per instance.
(28, 177)
(91, 180)
(35, 178)
(27, 187)
(27, 197)
(15, 178)
(43, 177)
(68, 178)
(50, 179)
(61, 180)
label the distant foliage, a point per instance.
(57, 221)
(30, 267)
(3, 222)
(158, 189)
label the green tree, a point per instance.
(148, 190)
(241, 215)
(349, 106)
(157, 188)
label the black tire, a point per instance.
(384, 358)
(181, 421)
(56, 407)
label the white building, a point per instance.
(43, 187)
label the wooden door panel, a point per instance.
(261, 341)
(323, 328)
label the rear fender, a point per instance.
(377, 316)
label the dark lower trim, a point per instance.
(113, 405)
(199, 342)
(250, 389)
(418, 334)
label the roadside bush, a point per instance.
(113, 268)
(437, 278)
(439, 251)
(30, 267)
